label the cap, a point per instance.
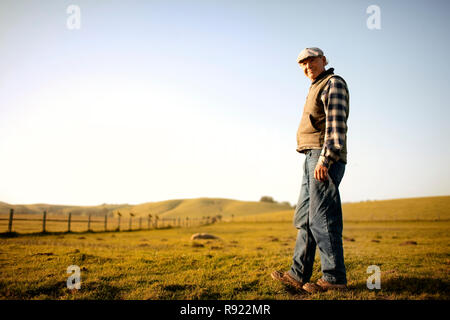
(309, 52)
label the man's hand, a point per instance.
(321, 173)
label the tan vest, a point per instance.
(311, 131)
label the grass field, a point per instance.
(166, 264)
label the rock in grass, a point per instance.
(197, 236)
(143, 245)
(44, 254)
(197, 245)
(408, 243)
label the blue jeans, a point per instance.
(318, 218)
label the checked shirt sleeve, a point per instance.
(335, 99)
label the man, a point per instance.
(322, 137)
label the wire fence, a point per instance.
(32, 223)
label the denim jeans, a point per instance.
(318, 218)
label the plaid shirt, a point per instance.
(335, 98)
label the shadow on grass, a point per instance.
(39, 234)
(401, 286)
(188, 292)
(101, 291)
(177, 287)
(411, 286)
(50, 289)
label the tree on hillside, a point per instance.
(267, 199)
(286, 203)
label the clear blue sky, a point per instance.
(156, 100)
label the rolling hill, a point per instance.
(169, 209)
(408, 209)
(428, 208)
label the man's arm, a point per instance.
(336, 103)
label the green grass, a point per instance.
(166, 264)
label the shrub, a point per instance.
(267, 199)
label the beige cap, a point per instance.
(309, 52)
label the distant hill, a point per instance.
(429, 208)
(207, 207)
(170, 208)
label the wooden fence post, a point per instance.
(118, 226)
(10, 222)
(140, 223)
(148, 222)
(11, 214)
(89, 223)
(130, 223)
(44, 218)
(68, 221)
(106, 222)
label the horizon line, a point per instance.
(275, 201)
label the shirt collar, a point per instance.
(323, 74)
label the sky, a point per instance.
(156, 100)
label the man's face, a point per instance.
(313, 66)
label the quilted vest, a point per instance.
(311, 131)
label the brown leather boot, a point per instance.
(312, 288)
(287, 279)
(330, 286)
